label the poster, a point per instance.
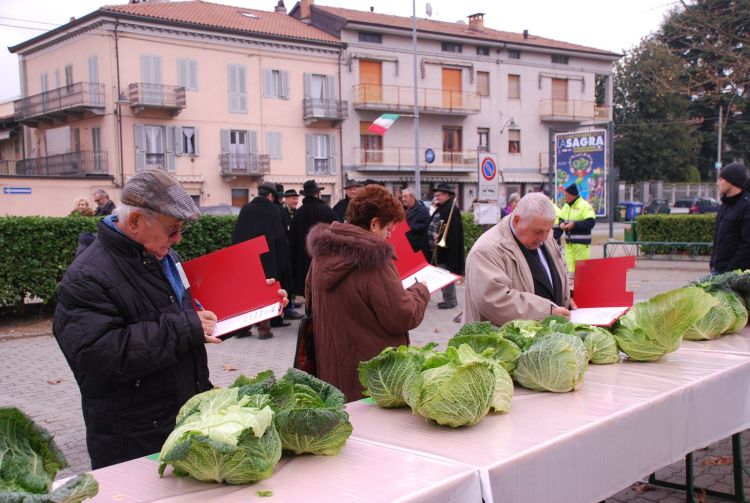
(581, 158)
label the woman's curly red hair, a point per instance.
(374, 201)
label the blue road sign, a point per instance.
(489, 169)
(16, 190)
(429, 156)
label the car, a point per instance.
(220, 209)
(655, 206)
(696, 205)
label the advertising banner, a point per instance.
(581, 158)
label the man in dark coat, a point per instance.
(451, 256)
(350, 188)
(127, 325)
(732, 229)
(313, 211)
(418, 218)
(285, 277)
(104, 205)
(261, 217)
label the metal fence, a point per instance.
(72, 164)
(645, 191)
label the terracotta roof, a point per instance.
(456, 29)
(225, 17)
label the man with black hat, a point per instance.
(577, 218)
(291, 200)
(732, 228)
(313, 211)
(350, 188)
(451, 256)
(128, 326)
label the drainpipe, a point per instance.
(341, 123)
(119, 109)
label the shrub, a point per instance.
(472, 231)
(676, 228)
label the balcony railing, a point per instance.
(245, 164)
(77, 97)
(319, 109)
(148, 96)
(571, 111)
(401, 99)
(7, 167)
(72, 164)
(402, 159)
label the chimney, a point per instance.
(280, 7)
(304, 8)
(476, 22)
(525, 33)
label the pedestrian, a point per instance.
(105, 206)
(731, 248)
(291, 200)
(577, 219)
(512, 203)
(82, 207)
(418, 218)
(445, 236)
(358, 302)
(350, 188)
(285, 274)
(260, 217)
(515, 270)
(313, 211)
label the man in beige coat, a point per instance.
(515, 270)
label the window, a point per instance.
(368, 36)
(452, 145)
(239, 151)
(94, 91)
(514, 87)
(514, 54)
(44, 82)
(483, 143)
(76, 139)
(275, 84)
(483, 83)
(559, 59)
(320, 152)
(57, 79)
(96, 144)
(273, 145)
(237, 89)
(154, 147)
(69, 77)
(151, 70)
(187, 141)
(452, 47)
(483, 50)
(187, 73)
(371, 145)
(514, 141)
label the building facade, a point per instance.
(223, 97)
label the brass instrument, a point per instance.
(443, 233)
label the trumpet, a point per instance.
(443, 233)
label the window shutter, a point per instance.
(193, 75)
(331, 86)
(178, 150)
(224, 141)
(242, 89)
(332, 154)
(232, 87)
(307, 80)
(182, 73)
(156, 70)
(195, 141)
(268, 84)
(253, 141)
(57, 79)
(285, 85)
(68, 75)
(140, 147)
(93, 70)
(44, 84)
(169, 151)
(309, 152)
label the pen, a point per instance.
(198, 305)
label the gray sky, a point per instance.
(614, 25)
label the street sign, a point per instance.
(16, 190)
(488, 179)
(429, 156)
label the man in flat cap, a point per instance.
(350, 188)
(128, 326)
(577, 218)
(732, 229)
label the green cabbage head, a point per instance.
(718, 319)
(385, 377)
(506, 352)
(655, 327)
(600, 344)
(555, 362)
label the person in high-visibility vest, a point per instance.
(577, 218)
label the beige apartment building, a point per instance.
(223, 97)
(479, 90)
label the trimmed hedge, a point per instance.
(675, 228)
(472, 231)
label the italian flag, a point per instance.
(382, 124)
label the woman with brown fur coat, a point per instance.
(358, 303)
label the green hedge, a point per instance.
(675, 228)
(472, 231)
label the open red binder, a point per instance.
(413, 266)
(231, 283)
(600, 290)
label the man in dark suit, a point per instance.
(350, 188)
(418, 218)
(451, 256)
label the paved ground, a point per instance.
(36, 378)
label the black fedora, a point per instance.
(352, 183)
(310, 188)
(290, 193)
(444, 187)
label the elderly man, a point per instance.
(128, 327)
(350, 188)
(447, 221)
(515, 270)
(418, 218)
(104, 205)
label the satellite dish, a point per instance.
(428, 9)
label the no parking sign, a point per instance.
(488, 177)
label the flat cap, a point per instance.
(157, 190)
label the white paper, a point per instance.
(246, 319)
(602, 316)
(435, 278)
(183, 276)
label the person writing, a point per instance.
(358, 302)
(515, 270)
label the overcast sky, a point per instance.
(614, 25)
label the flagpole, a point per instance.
(417, 179)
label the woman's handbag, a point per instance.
(304, 356)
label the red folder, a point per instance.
(413, 266)
(601, 289)
(231, 283)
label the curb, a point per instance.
(14, 336)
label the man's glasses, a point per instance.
(181, 229)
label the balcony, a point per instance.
(324, 110)
(401, 99)
(70, 165)
(245, 164)
(571, 111)
(402, 159)
(7, 167)
(144, 97)
(61, 104)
